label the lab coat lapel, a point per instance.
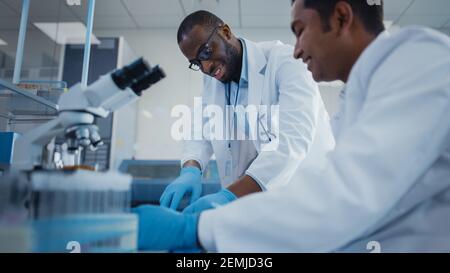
(219, 94)
(216, 94)
(256, 61)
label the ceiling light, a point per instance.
(73, 2)
(66, 32)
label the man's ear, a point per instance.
(343, 17)
(226, 32)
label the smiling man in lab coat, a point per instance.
(270, 147)
(388, 179)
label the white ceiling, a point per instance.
(138, 14)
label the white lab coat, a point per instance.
(274, 78)
(388, 179)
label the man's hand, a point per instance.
(244, 186)
(189, 181)
(211, 201)
(164, 229)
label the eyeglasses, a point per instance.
(204, 52)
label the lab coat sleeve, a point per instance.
(198, 147)
(403, 127)
(198, 150)
(299, 102)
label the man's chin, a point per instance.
(318, 77)
(323, 78)
(225, 79)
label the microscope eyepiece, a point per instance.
(139, 76)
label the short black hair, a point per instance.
(202, 17)
(371, 15)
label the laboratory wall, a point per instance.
(159, 46)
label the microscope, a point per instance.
(54, 202)
(78, 109)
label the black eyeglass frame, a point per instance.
(204, 52)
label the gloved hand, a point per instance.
(211, 201)
(164, 229)
(189, 181)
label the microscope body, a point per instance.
(77, 111)
(55, 201)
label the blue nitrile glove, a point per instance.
(211, 201)
(189, 181)
(164, 229)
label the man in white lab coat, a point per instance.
(386, 184)
(271, 145)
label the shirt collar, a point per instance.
(244, 70)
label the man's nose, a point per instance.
(206, 67)
(298, 50)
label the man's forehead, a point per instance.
(192, 40)
(298, 7)
(197, 34)
(296, 12)
(300, 14)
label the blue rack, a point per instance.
(151, 177)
